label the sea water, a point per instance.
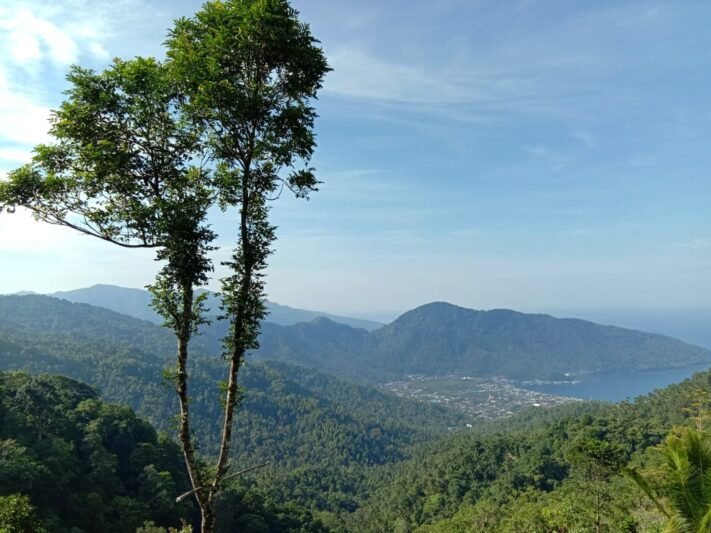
(614, 387)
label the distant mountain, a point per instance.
(435, 339)
(136, 303)
(441, 338)
(131, 302)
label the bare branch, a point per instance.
(231, 476)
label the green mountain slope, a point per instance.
(297, 419)
(440, 338)
(359, 459)
(70, 463)
(82, 463)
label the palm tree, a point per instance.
(686, 498)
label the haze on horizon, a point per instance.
(489, 154)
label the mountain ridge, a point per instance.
(136, 302)
(433, 339)
(441, 338)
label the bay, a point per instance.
(615, 387)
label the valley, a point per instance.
(416, 452)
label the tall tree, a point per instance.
(126, 168)
(249, 71)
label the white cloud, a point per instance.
(14, 155)
(38, 41)
(99, 51)
(29, 38)
(561, 70)
(463, 89)
(19, 232)
(23, 120)
(585, 138)
(556, 160)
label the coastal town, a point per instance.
(483, 398)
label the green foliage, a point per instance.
(95, 467)
(689, 459)
(122, 168)
(244, 509)
(121, 165)
(343, 457)
(246, 71)
(256, 98)
(681, 488)
(323, 344)
(17, 515)
(596, 460)
(150, 527)
(99, 468)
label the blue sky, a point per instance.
(538, 155)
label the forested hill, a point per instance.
(136, 303)
(434, 339)
(60, 322)
(441, 338)
(71, 463)
(124, 358)
(319, 433)
(339, 452)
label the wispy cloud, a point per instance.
(359, 74)
(556, 159)
(35, 32)
(695, 244)
(459, 89)
(29, 39)
(559, 70)
(585, 139)
(455, 115)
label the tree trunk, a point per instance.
(184, 432)
(207, 524)
(238, 348)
